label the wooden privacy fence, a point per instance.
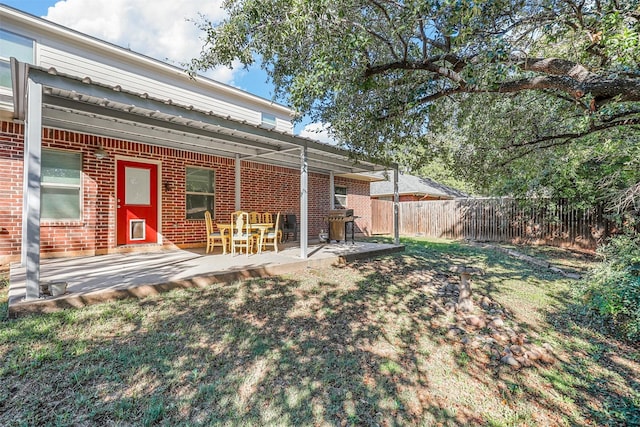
(494, 220)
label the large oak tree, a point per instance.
(492, 85)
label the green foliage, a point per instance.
(410, 81)
(477, 138)
(612, 289)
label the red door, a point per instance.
(137, 197)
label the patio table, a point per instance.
(262, 227)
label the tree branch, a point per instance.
(557, 67)
(576, 135)
(563, 84)
(414, 65)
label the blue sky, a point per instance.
(157, 28)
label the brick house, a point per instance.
(105, 150)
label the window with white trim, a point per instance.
(61, 185)
(340, 197)
(14, 45)
(200, 192)
(269, 121)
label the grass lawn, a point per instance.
(365, 344)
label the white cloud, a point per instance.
(319, 132)
(161, 29)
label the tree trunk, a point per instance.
(465, 302)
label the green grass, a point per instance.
(357, 345)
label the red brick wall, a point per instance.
(264, 188)
(11, 157)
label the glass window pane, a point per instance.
(137, 186)
(199, 180)
(269, 120)
(197, 204)
(340, 202)
(60, 203)
(59, 167)
(17, 46)
(5, 74)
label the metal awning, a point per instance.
(46, 98)
(79, 104)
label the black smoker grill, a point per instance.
(339, 221)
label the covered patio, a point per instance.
(95, 279)
(48, 99)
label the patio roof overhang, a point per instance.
(79, 104)
(46, 98)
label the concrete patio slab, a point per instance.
(95, 279)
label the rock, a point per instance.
(453, 332)
(547, 347)
(511, 361)
(496, 323)
(516, 349)
(518, 339)
(523, 360)
(485, 302)
(450, 307)
(500, 338)
(475, 321)
(533, 354)
(547, 358)
(476, 342)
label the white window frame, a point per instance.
(79, 187)
(338, 197)
(198, 193)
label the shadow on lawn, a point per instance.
(279, 351)
(601, 373)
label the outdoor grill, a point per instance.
(339, 221)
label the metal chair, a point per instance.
(214, 236)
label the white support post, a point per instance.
(332, 191)
(32, 172)
(304, 203)
(238, 189)
(396, 207)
